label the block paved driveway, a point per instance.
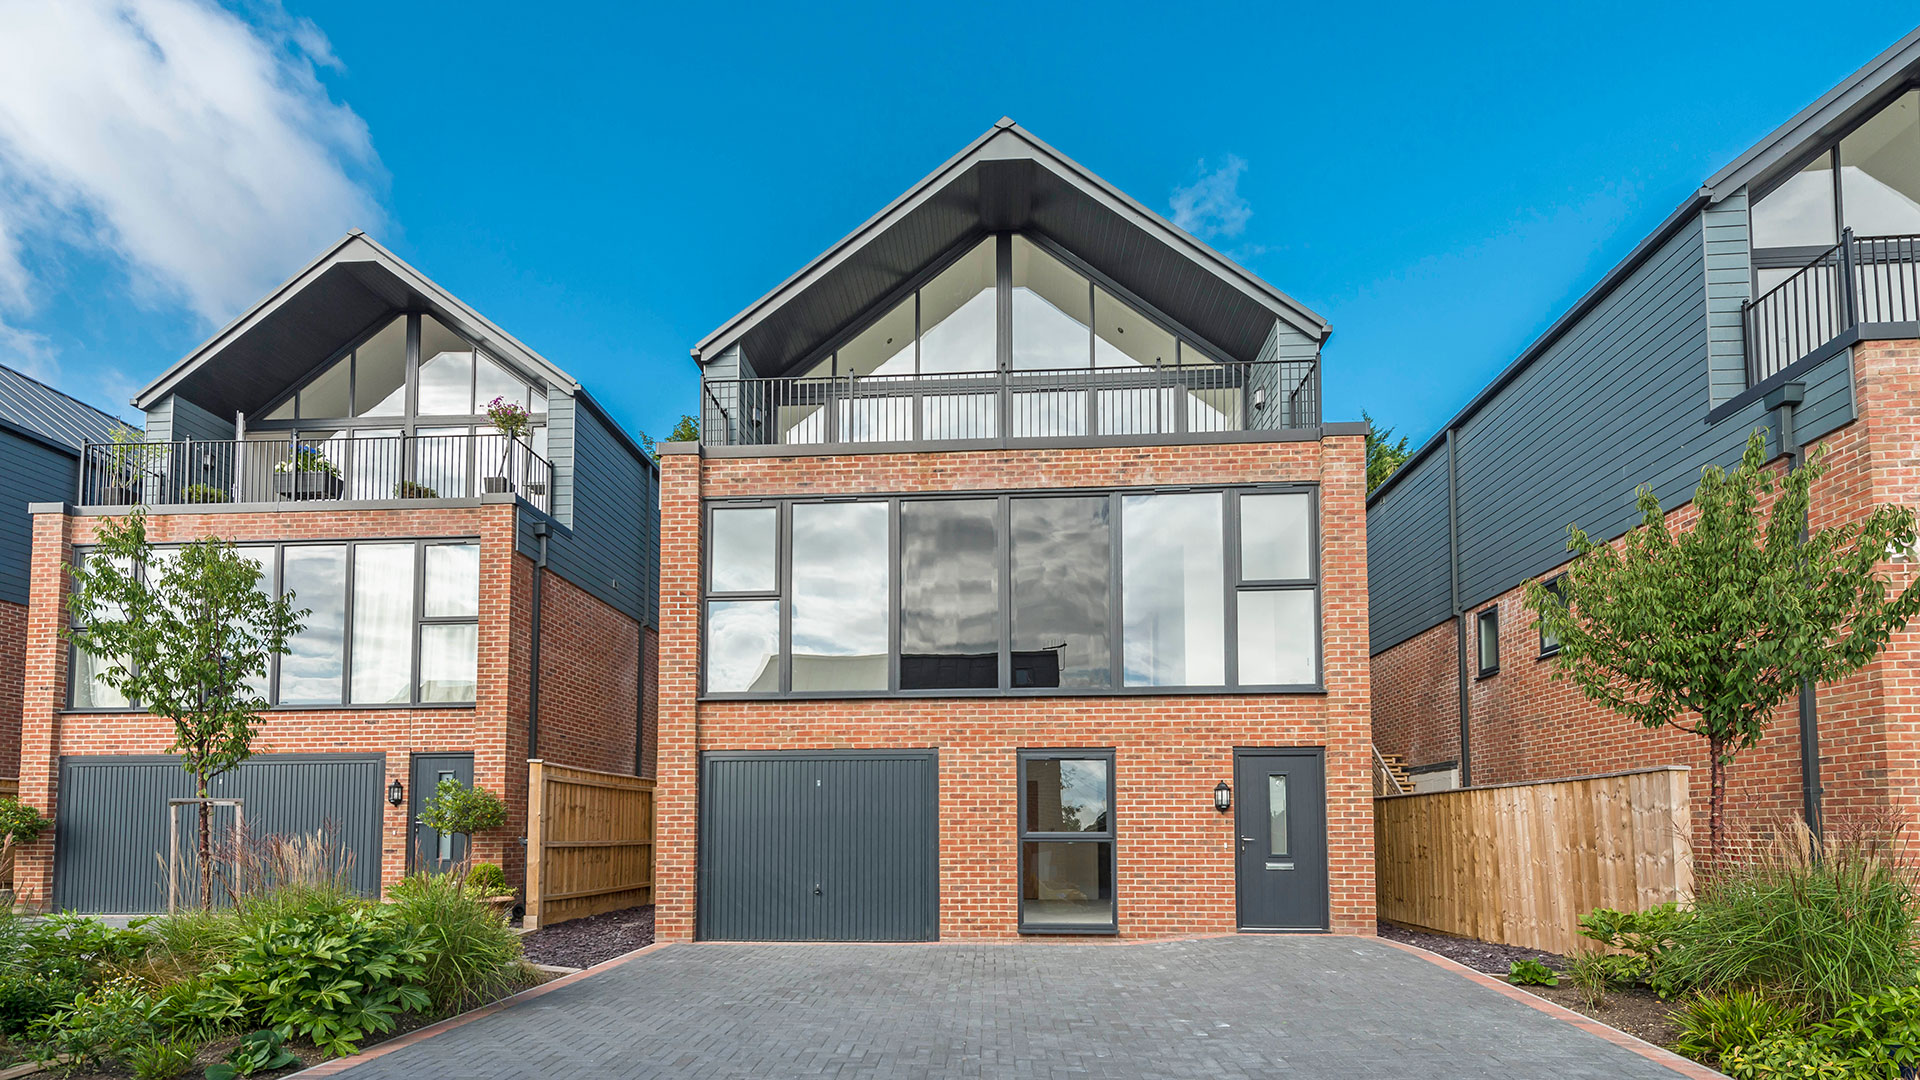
(1230, 1007)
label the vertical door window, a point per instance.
(1066, 842)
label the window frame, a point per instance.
(1555, 585)
(1232, 586)
(277, 567)
(1797, 257)
(1109, 837)
(1480, 620)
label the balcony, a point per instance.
(337, 470)
(1011, 408)
(1863, 288)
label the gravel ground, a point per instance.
(585, 942)
(1478, 955)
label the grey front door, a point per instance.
(1280, 838)
(431, 850)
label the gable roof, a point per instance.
(353, 286)
(1784, 150)
(30, 405)
(1009, 179)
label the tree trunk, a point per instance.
(1716, 797)
(206, 848)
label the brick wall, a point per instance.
(588, 667)
(1527, 726)
(13, 676)
(1175, 853)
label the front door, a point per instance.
(1280, 836)
(430, 850)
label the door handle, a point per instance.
(1246, 839)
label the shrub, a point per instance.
(98, 1025)
(20, 823)
(204, 493)
(1646, 936)
(487, 879)
(1712, 1025)
(471, 953)
(1821, 932)
(160, 1059)
(259, 1051)
(1785, 1056)
(1531, 973)
(413, 489)
(45, 963)
(456, 808)
(331, 977)
(1881, 1028)
(1589, 976)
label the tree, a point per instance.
(188, 636)
(685, 429)
(1383, 456)
(456, 808)
(1709, 630)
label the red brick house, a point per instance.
(475, 603)
(1015, 587)
(1780, 297)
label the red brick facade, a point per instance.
(13, 675)
(1175, 871)
(589, 659)
(1526, 726)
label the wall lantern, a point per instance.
(396, 794)
(1222, 797)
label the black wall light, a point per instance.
(396, 794)
(1222, 797)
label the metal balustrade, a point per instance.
(279, 470)
(1012, 406)
(1859, 284)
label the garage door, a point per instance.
(110, 835)
(837, 846)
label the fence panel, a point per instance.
(589, 843)
(1520, 863)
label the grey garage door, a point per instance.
(840, 846)
(110, 835)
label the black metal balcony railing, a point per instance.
(1863, 281)
(1003, 407)
(287, 470)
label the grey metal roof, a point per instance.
(1008, 179)
(1840, 108)
(348, 290)
(28, 403)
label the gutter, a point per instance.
(540, 530)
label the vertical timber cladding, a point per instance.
(819, 846)
(110, 836)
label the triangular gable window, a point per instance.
(455, 379)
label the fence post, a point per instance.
(536, 839)
(1849, 303)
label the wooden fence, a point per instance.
(1520, 863)
(589, 843)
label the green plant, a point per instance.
(1646, 936)
(487, 879)
(456, 808)
(1709, 630)
(1710, 1025)
(190, 639)
(161, 1059)
(332, 977)
(1789, 1056)
(1882, 1028)
(19, 823)
(308, 459)
(1590, 977)
(1384, 454)
(410, 489)
(1816, 931)
(509, 418)
(1531, 972)
(98, 1025)
(471, 952)
(258, 1051)
(204, 493)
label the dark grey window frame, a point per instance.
(1480, 621)
(1109, 837)
(277, 567)
(1230, 613)
(1555, 585)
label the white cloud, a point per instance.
(198, 151)
(1212, 205)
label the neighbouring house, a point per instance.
(475, 602)
(1015, 586)
(1784, 295)
(42, 432)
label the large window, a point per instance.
(1067, 592)
(393, 623)
(1066, 841)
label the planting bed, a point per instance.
(582, 943)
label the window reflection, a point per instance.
(1880, 171)
(743, 646)
(949, 604)
(1067, 795)
(1274, 537)
(1277, 638)
(743, 550)
(382, 623)
(380, 374)
(840, 596)
(1798, 213)
(1173, 581)
(958, 315)
(1051, 311)
(1062, 552)
(316, 577)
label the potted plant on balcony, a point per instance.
(512, 421)
(126, 458)
(307, 474)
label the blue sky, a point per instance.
(609, 182)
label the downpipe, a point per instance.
(1785, 400)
